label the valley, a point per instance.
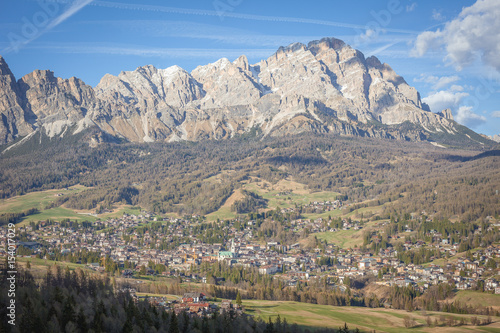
(307, 189)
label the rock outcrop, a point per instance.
(14, 121)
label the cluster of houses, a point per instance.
(324, 206)
(194, 304)
(316, 207)
(290, 262)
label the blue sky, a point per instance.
(448, 50)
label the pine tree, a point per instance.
(238, 299)
(204, 325)
(269, 327)
(174, 325)
(68, 313)
(81, 321)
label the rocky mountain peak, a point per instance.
(324, 86)
(446, 113)
(242, 62)
(149, 88)
(291, 48)
(317, 46)
(4, 68)
(14, 121)
(373, 61)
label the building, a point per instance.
(193, 298)
(226, 255)
(268, 269)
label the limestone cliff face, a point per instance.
(227, 84)
(13, 121)
(56, 103)
(325, 86)
(146, 104)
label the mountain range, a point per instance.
(324, 87)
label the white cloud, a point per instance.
(427, 40)
(495, 114)
(438, 82)
(422, 78)
(472, 35)
(467, 117)
(463, 114)
(436, 15)
(410, 8)
(443, 99)
(444, 81)
(456, 87)
(367, 35)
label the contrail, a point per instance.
(202, 12)
(382, 48)
(74, 8)
(151, 52)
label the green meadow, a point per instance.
(366, 319)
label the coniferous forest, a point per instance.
(73, 301)
(188, 178)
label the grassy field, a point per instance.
(35, 199)
(355, 214)
(168, 297)
(40, 200)
(476, 299)
(224, 212)
(40, 265)
(342, 238)
(348, 238)
(380, 320)
(57, 214)
(297, 194)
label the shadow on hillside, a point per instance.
(456, 158)
(297, 160)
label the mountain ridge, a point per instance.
(325, 86)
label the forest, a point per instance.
(73, 301)
(188, 177)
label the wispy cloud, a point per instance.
(438, 82)
(73, 8)
(233, 36)
(85, 48)
(194, 30)
(203, 12)
(381, 49)
(437, 15)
